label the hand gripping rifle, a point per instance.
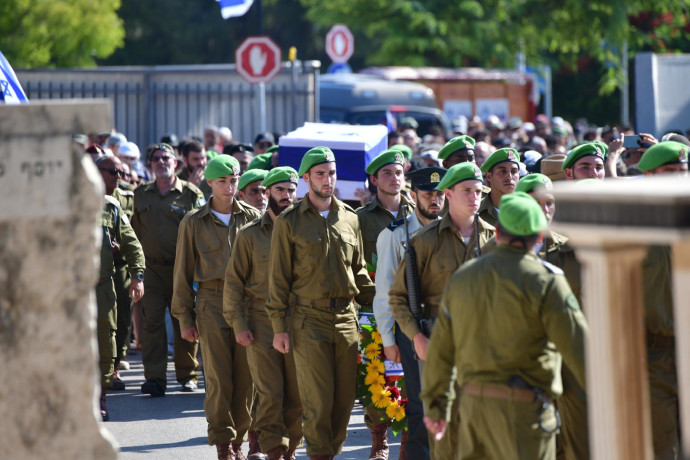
(412, 280)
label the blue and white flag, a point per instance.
(234, 8)
(11, 91)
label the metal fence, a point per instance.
(151, 101)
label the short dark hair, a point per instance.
(191, 146)
(527, 241)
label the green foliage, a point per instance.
(59, 33)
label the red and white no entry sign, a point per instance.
(258, 59)
(340, 44)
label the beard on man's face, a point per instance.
(277, 207)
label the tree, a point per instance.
(59, 33)
(490, 33)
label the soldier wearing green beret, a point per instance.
(502, 170)
(195, 161)
(585, 161)
(250, 189)
(267, 160)
(666, 157)
(459, 149)
(204, 242)
(557, 250)
(386, 172)
(317, 259)
(279, 411)
(159, 206)
(441, 247)
(500, 317)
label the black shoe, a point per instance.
(189, 386)
(118, 385)
(153, 388)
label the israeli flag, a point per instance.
(234, 8)
(11, 91)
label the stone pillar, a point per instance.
(681, 318)
(617, 384)
(51, 198)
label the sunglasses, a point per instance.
(163, 158)
(113, 171)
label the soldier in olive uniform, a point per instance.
(279, 411)
(204, 243)
(390, 247)
(441, 247)
(118, 236)
(585, 161)
(159, 207)
(386, 173)
(111, 170)
(458, 150)
(502, 170)
(195, 161)
(317, 257)
(667, 157)
(556, 250)
(251, 191)
(500, 317)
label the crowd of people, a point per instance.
(450, 235)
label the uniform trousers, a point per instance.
(417, 446)
(229, 389)
(106, 324)
(504, 429)
(122, 281)
(324, 341)
(279, 412)
(663, 388)
(572, 406)
(158, 288)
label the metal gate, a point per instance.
(149, 102)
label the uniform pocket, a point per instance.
(348, 243)
(205, 245)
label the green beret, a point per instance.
(251, 175)
(667, 152)
(280, 174)
(532, 182)
(458, 173)
(387, 157)
(590, 149)
(402, 148)
(263, 161)
(521, 215)
(271, 149)
(314, 157)
(221, 166)
(499, 156)
(604, 147)
(456, 144)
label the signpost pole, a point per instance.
(262, 107)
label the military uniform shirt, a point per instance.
(203, 252)
(505, 314)
(391, 250)
(487, 211)
(315, 258)
(247, 272)
(373, 218)
(440, 250)
(118, 231)
(203, 185)
(157, 218)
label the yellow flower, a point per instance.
(375, 365)
(395, 411)
(371, 351)
(380, 396)
(374, 378)
(377, 337)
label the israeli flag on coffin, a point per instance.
(354, 146)
(234, 8)
(11, 91)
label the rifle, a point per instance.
(478, 248)
(412, 279)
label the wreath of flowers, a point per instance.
(374, 388)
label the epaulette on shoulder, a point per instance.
(430, 227)
(551, 267)
(112, 201)
(395, 224)
(125, 192)
(347, 207)
(290, 209)
(193, 188)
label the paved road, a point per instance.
(174, 427)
